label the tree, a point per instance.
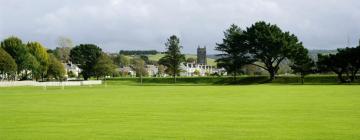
(161, 70)
(8, 66)
(333, 62)
(145, 58)
(56, 68)
(62, 52)
(302, 64)
(31, 64)
(270, 45)
(85, 56)
(173, 57)
(41, 55)
(121, 60)
(17, 50)
(190, 60)
(234, 52)
(139, 66)
(104, 66)
(352, 57)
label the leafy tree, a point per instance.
(41, 55)
(17, 51)
(104, 66)
(56, 68)
(62, 52)
(173, 57)
(145, 58)
(352, 57)
(302, 64)
(270, 45)
(31, 64)
(333, 62)
(161, 70)
(234, 52)
(121, 60)
(190, 60)
(8, 66)
(139, 66)
(85, 56)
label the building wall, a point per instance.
(201, 56)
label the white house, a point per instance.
(71, 68)
(193, 69)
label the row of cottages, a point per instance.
(187, 70)
(152, 71)
(194, 69)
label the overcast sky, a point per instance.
(146, 24)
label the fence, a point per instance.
(34, 83)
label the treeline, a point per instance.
(20, 61)
(266, 46)
(138, 52)
(32, 61)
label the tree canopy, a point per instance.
(85, 56)
(173, 56)
(302, 64)
(7, 65)
(41, 55)
(17, 50)
(234, 52)
(56, 68)
(104, 66)
(270, 45)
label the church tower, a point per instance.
(201, 56)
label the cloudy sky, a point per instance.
(145, 24)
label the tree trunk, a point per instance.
(234, 78)
(353, 75)
(302, 79)
(341, 78)
(272, 74)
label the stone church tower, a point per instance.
(201, 56)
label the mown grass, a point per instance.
(125, 110)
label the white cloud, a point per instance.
(145, 24)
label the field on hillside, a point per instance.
(181, 112)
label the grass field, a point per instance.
(181, 112)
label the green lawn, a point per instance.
(181, 112)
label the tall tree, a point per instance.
(173, 57)
(15, 47)
(302, 64)
(85, 56)
(104, 66)
(234, 52)
(31, 64)
(56, 68)
(335, 63)
(41, 55)
(352, 57)
(121, 60)
(139, 66)
(270, 45)
(65, 45)
(8, 66)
